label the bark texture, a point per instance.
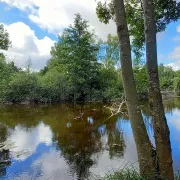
(161, 129)
(144, 147)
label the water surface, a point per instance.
(72, 142)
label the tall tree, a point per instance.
(143, 144)
(75, 54)
(161, 130)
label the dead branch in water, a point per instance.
(116, 109)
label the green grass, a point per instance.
(130, 174)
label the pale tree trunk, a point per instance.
(161, 130)
(144, 147)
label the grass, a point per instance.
(130, 174)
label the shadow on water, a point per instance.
(68, 142)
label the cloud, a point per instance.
(160, 35)
(55, 15)
(178, 28)
(175, 120)
(175, 55)
(25, 45)
(176, 38)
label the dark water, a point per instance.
(55, 142)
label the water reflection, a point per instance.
(73, 142)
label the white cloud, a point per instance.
(178, 28)
(175, 55)
(176, 38)
(54, 15)
(26, 141)
(175, 120)
(25, 45)
(175, 66)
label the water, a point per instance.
(67, 142)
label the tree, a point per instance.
(140, 75)
(75, 54)
(6, 71)
(4, 39)
(22, 86)
(110, 82)
(110, 51)
(166, 11)
(166, 77)
(143, 144)
(161, 129)
(53, 87)
(177, 85)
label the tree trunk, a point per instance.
(144, 147)
(161, 130)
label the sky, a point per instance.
(34, 26)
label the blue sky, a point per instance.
(34, 25)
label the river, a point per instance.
(69, 142)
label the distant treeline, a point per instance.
(81, 68)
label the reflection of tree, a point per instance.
(171, 104)
(115, 140)
(4, 154)
(4, 161)
(79, 141)
(116, 144)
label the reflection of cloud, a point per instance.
(53, 165)
(175, 121)
(105, 164)
(28, 140)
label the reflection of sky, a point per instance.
(28, 140)
(90, 120)
(42, 161)
(102, 129)
(174, 125)
(46, 162)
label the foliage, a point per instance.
(109, 51)
(53, 87)
(177, 84)
(140, 76)
(81, 68)
(111, 83)
(166, 76)
(22, 86)
(75, 55)
(166, 11)
(4, 38)
(6, 71)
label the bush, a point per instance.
(53, 87)
(177, 85)
(22, 86)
